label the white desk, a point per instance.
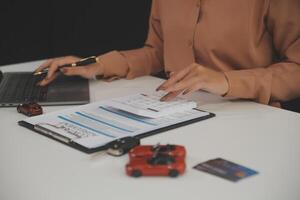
(33, 167)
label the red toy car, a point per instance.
(158, 165)
(30, 109)
(148, 151)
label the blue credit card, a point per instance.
(225, 169)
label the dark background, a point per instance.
(38, 29)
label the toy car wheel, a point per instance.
(173, 173)
(18, 109)
(136, 173)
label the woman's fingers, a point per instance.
(194, 78)
(187, 85)
(52, 69)
(192, 89)
(170, 95)
(175, 77)
(85, 72)
(69, 71)
(88, 71)
(44, 65)
(59, 62)
(186, 82)
(46, 81)
(52, 65)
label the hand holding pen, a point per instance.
(70, 66)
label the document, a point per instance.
(96, 124)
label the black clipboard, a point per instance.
(84, 149)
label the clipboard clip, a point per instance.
(122, 146)
(51, 134)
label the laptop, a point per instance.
(20, 87)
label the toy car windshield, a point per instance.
(161, 160)
(165, 148)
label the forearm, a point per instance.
(131, 63)
(144, 61)
(276, 83)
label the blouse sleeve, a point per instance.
(279, 81)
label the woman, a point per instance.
(244, 49)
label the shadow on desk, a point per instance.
(161, 74)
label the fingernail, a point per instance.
(163, 99)
(185, 92)
(159, 88)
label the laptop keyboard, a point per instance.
(21, 87)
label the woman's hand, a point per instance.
(52, 65)
(194, 77)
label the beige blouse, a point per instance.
(256, 43)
